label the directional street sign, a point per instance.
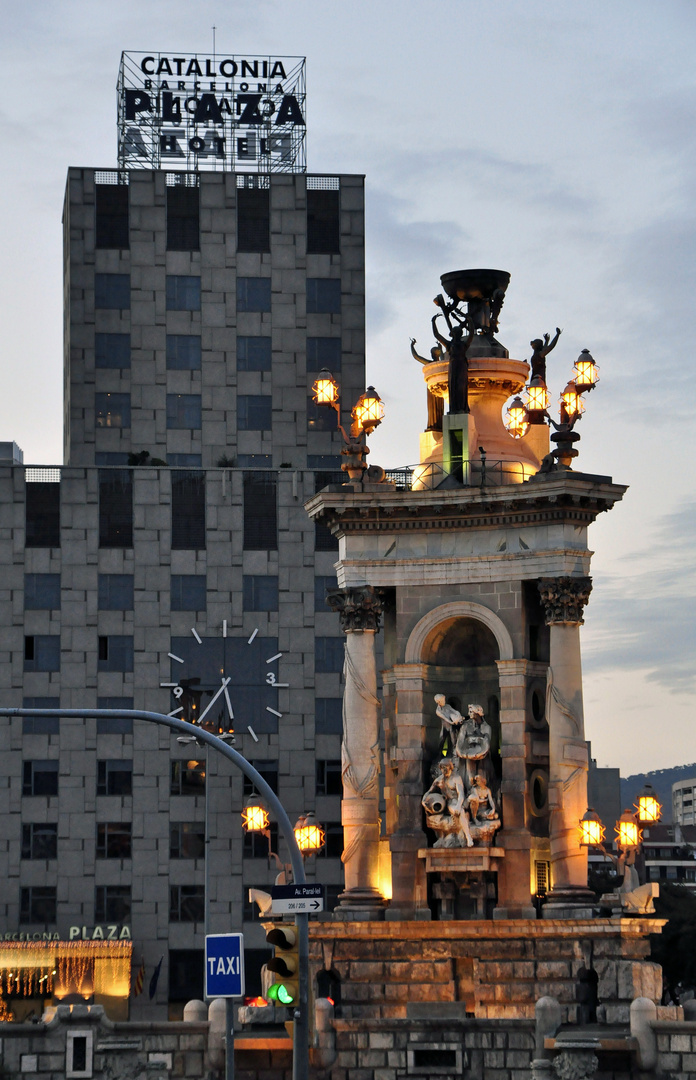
(224, 965)
(297, 899)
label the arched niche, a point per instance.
(423, 630)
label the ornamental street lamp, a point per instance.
(591, 829)
(647, 806)
(367, 414)
(309, 834)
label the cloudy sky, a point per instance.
(552, 140)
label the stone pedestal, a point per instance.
(458, 443)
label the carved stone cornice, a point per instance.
(564, 598)
(358, 608)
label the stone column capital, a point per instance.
(359, 607)
(564, 598)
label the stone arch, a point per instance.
(457, 609)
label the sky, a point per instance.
(552, 140)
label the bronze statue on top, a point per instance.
(541, 351)
(436, 405)
(457, 349)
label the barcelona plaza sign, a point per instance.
(212, 112)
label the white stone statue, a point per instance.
(444, 803)
(473, 743)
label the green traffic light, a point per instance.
(279, 992)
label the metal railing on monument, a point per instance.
(482, 473)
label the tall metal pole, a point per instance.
(300, 1062)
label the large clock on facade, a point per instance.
(225, 683)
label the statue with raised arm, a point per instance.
(541, 351)
(444, 804)
(457, 348)
(436, 405)
(473, 744)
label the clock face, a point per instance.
(226, 683)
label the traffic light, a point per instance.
(285, 964)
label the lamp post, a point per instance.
(628, 834)
(366, 414)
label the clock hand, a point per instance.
(213, 700)
(229, 703)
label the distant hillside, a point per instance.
(661, 780)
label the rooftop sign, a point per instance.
(193, 111)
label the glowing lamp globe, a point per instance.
(586, 372)
(649, 809)
(628, 835)
(517, 418)
(591, 829)
(255, 817)
(368, 411)
(537, 395)
(309, 835)
(325, 388)
(571, 401)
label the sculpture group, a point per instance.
(459, 804)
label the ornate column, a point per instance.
(359, 609)
(564, 599)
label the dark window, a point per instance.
(115, 592)
(333, 840)
(253, 354)
(328, 465)
(109, 457)
(328, 716)
(321, 584)
(187, 778)
(260, 516)
(323, 223)
(112, 291)
(321, 417)
(115, 508)
(183, 293)
(254, 412)
(183, 352)
(324, 539)
(185, 461)
(112, 350)
(188, 511)
(186, 840)
(115, 652)
(121, 725)
(253, 294)
(79, 1053)
(186, 903)
(40, 725)
(111, 215)
(266, 769)
(183, 226)
(328, 654)
(114, 777)
(254, 461)
(328, 775)
(42, 652)
(256, 844)
(260, 592)
(184, 411)
(37, 904)
(42, 515)
(186, 970)
(324, 352)
(112, 410)
(39, 841)
(40, 778)
(323, 296)
(112, 903)
(188, 592)
(253, 219)
(114, 840)
(41, 592)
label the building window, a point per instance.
(328, 716)
(108, 457)
(114, 777)
(183, 293)
(188, 511)
(186, 971)
(186, 903)
(114, 725)
(253, 354)
(112, 903)
(183, 224)
(40, 725)
(256, 845)
(188, 592)
(323, 296)
(183, 352)
(115, 592)
(111, 217)
(185, 461)
(42, 510)
(112, 410)
(112, 350)
(254, 412)
(187, 778)
(115, 508)
(186, 840)
(42, 652)
(253, 294)
(184, 411)
(328, 654)
(260, 515)
(114, 840)
(268, 770)
(328, 776)
(40, 778)
(38, 904)
(324, 539)
(322, 583)
(41, 592)
(324, 352)
(253, 219)
(319, 418)
(39, 841)
(323, 223)
(260, 592)
(115, 652)
(112, 291)
(333, 846)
